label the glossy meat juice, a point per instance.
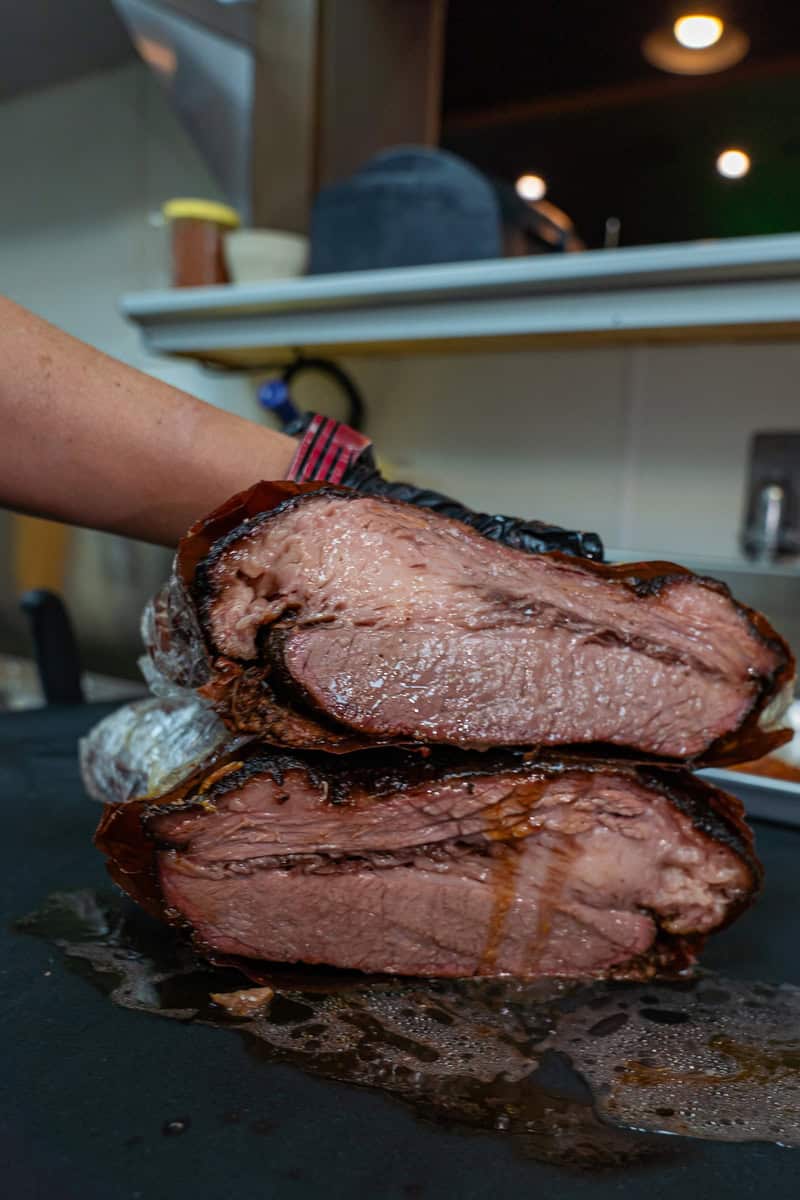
(337, 621)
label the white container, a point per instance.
(254, 255)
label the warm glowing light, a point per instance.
(160, 57)
(733, 164)
(531, 187)
(698, 31)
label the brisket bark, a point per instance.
(450, 865)
(318, 618)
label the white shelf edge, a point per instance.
(735, 283)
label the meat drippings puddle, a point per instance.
(583, 1074)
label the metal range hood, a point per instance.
(284, 96)
(203, 54)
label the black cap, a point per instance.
(406, 207)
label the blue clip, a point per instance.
(275, 396)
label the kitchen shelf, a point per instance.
(734, 288)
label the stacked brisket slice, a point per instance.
(440, 755)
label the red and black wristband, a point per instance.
(326, 451)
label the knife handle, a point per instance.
(56, 650)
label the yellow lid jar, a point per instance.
(198, 229)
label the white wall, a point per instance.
(85, 166)
(646, 444)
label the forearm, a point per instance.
(88, 440)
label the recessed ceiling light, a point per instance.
(692, 47)
(531, 187)
(733, 164)
(698, 31)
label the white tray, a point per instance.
(766, 799)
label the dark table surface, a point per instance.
(87, 1086)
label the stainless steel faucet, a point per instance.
(762, 534)
(771, 528)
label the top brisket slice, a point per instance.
(319, 618)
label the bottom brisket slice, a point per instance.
(452, 866)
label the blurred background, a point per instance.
(584, 215)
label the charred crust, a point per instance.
(244, 516)
(126, 839)
(717, 815)
(671, 956)
(130, 855)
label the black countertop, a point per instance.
(88, 1086)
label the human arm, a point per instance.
(87, 440)
(90, 441)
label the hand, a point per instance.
(533, 536)
(332, 451)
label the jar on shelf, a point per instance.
(198, 232)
